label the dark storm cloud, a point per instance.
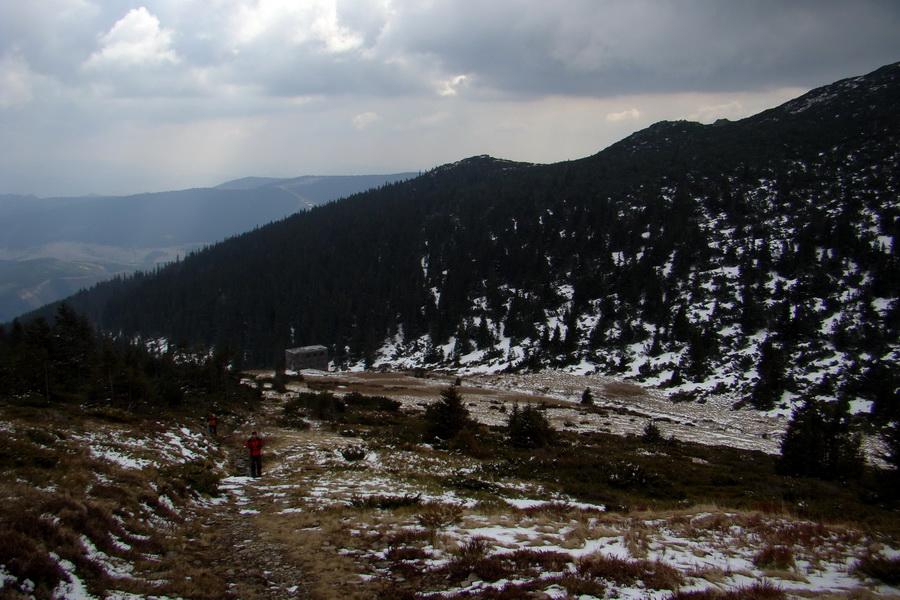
(584, 47)
(604, 48)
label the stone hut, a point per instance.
(307, 357)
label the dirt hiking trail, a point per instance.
(257, 564)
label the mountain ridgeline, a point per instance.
(756, 257)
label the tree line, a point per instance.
(67, 360)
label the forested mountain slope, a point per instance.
(755, 256)
(53, 247)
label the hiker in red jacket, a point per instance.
(212, 423)
(255, 444)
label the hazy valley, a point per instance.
(51, 248)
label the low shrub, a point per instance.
(385, 502)
(322, 406)
(545, 560)
(655, 575)
(579, 585)
(435, 515)
(472, 558)
(391, 590)
(509, 591)
(406, 434)
(880, 568)
(293, 421)
(471, 484)
(777, 558)
(407, 553)
(353, 453)
(474, 549)
(683, 396)
(114, 414)
(528, 428)
(198, 475)
(378, 403)
(490, 569)
(623, 474)
(25, 561)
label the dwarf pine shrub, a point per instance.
(198, 475)
(528, 428)
(385, 502)
(353, 453)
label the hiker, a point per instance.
(255, 444)
(212, 422)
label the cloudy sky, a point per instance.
(122, 96)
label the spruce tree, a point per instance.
(890, 436)
(771, 384)
(587, 397)
(446, 417)
(819, 442)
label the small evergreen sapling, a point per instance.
(448, 416)
(652, 434)
(587, 398)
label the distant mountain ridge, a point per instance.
(64, 244)
(755, 258)
(317, 189)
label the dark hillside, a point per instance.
(58, 246)
(756, 256)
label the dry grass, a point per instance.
(757, 591)
(654, 575)
(57, 501)
(621, 389)
(586, 527)
(311, 540)
(438, 515)
(859, 593)
(637, 538)
(880, 568)
(403, 538)
(775, 558)
(714, 575)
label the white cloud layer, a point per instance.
(330, 86)
(625, 115)
(135, 40)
